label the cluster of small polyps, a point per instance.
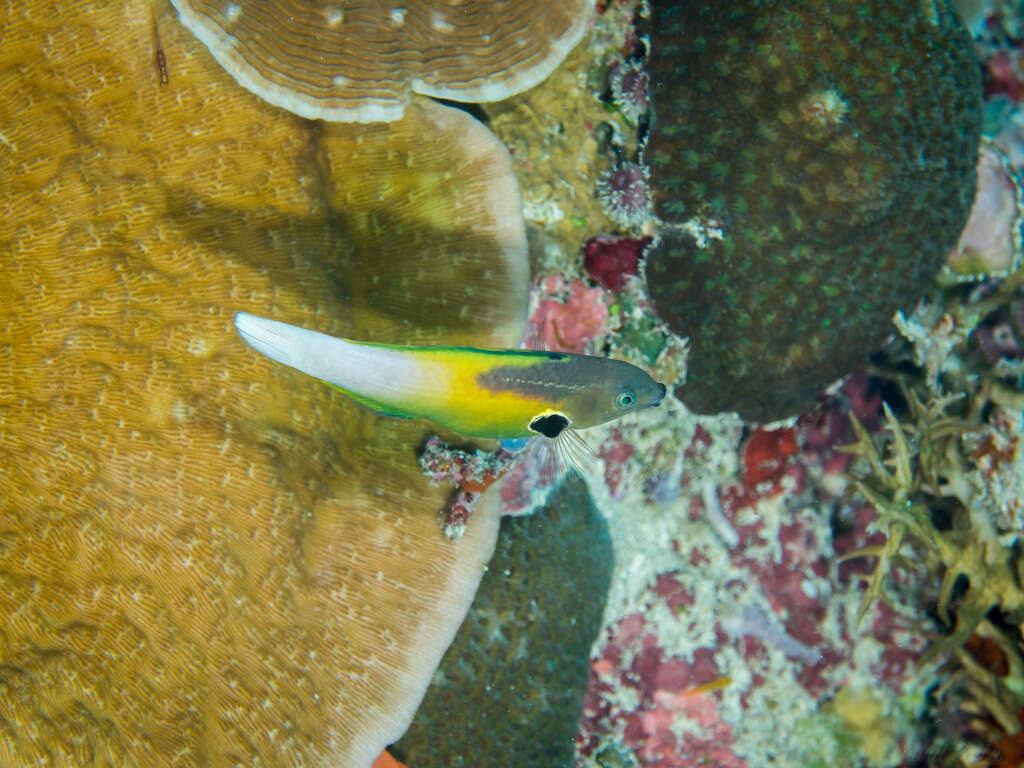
(625, 192)
(730, 621)
(630, 83)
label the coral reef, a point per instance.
(209, 559)
(205, 558)
(944, 479)
(905, 484)
(351, 61)
(711, 623)
(833, 153)
(510, 689)
(737, 630)
(943, 475)
(564, 136)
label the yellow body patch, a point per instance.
(467, 407)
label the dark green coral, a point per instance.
(509, 691)
(835, 145)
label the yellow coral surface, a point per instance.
(207, 559)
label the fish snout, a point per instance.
(661, 395)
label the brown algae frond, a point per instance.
(929, 476)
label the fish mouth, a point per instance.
(662, 390)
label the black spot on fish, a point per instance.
(550, 424)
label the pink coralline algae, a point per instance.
(612, 260)
(788, 579)
(1004, 75)
(788, 583)
(824, 427)
(529, 481)
(567, 317)
(615, 452)
(470, 473)
(666, 691)
(768, 618)
(766, 454)
(755, 622)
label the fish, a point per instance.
(501, 394)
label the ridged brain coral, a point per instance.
(207, 559)
(833, 147)
(358, 61)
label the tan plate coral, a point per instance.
(352, 61)
(207, 559)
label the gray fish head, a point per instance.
(610, 389)
(659, 396)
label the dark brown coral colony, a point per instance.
(828, 150)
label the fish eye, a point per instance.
(625, 400)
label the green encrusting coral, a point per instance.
(509, 691)
(824, 156)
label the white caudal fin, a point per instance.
(273, 339)
(372, 371)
